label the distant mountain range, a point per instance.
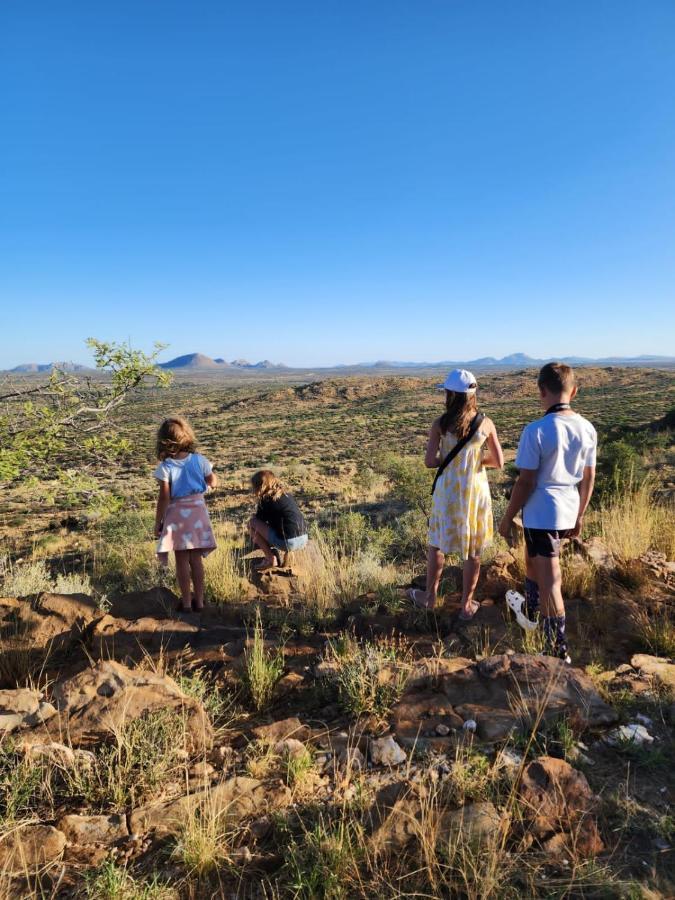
(522, 360)
(199, 362)
(49, 367)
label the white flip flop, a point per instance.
(515, 602)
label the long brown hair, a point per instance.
(460, 409)
(174, 436)
(266, 485)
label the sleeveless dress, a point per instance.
(461, 514)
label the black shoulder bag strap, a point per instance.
(459, 446)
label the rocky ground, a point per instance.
(251, 752)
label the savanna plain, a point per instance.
(311, 734)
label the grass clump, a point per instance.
(224, 574)
(204, 843)
(633, 522)
(143, 755)
(322, 862)
(112, 882)
(263, 668)
(657, 631)
(24, 784)
(369, 676)
(201, 686)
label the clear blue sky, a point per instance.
(321, 182)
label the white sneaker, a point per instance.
(515, 602)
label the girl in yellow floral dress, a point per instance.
(461, 515)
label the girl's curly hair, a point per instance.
(175, 436)
(266, 485)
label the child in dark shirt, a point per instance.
(278, 525)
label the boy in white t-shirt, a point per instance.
(556, 458)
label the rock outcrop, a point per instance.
(98, 701)
(559, 808)
(502, 694)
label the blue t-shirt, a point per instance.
(185, 476)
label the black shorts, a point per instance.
(545, 542)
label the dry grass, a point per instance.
(634, 522)
(263, 668)
(337, 574)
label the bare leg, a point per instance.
(549, 578)
(197, 570)
(259, 532)
(183, 575)
(435, 563)
(470, 574)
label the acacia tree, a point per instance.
(68, 416)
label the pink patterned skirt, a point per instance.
(186, 526)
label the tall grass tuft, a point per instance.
(634, 522)
(262, 667)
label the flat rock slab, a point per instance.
(232, 800)
(93, 829)
(28, 847)
(656, 667)
(97, 702)
(281, 730)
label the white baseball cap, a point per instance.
(460, 381)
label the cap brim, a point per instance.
(440, 387)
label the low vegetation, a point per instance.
(297, 686)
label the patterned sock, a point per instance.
(531, 598)
(554, 632)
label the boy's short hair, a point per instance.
(557, 378)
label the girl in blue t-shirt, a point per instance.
(182, 523)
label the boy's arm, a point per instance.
(586, 486)
(525, 484)
(163, 498)
(433, 443)
(211, 480)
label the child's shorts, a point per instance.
(288, 544)
(545, 542)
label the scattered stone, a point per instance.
(642, 719)
(662, 670)
(93, 829)
(509, 759)
(279, 731)
(386, 752)
(23, 708)
(28, 847)
(557, 800)
(201, 769)
(350, 759)
(442, 730)
(60, 755)
(629, 734)
(291, 748)
(624, 669)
